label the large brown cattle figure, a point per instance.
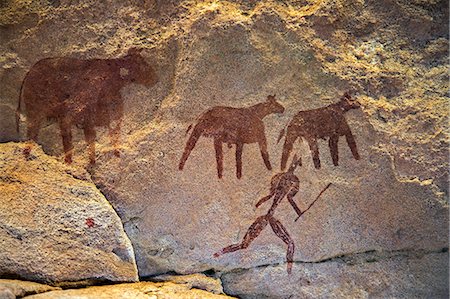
(85, 93)
(318, 123)
(233, 126)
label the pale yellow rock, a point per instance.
(141, 290)
(22, 288)
(6, 293)
(198, 281)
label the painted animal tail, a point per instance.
(318, 196)
(195, 135)
(18, 106)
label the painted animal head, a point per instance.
(347, 102)
(274, 106)
(135, 69)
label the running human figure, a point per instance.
(285, 184)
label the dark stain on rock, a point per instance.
(90, 222)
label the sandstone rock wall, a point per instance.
(391, 56)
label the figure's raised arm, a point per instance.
(290, 197)
(273, 187)
(265, 198)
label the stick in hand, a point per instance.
(318, 196)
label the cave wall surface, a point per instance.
(191, 61)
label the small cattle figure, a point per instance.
(233, 126)
(81, 92)
(318, 123)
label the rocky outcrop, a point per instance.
(366, 275)
(160, 290)
(197, 281)
(56, 226)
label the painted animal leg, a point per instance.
(264, 153)
(190, 144)
(282, 233)
(89, 136)
(239, 147)
(66, 134)
(333, 144)
(314, 151)
(352, 144)
(33, 126)
(114, 135)
(287, 148)
(115, 113)
(252, 233)
(219, 156)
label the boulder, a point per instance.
(56, 226)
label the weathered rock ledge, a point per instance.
(190, 286)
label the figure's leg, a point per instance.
(264, 153)
(89, 136)
(66, 134)
(352, 144)
(291, 136)
(333, 144)
(239, 147)
(282, 233)
(190, 144)
(314, 151)
(253, 231)
(219, 156)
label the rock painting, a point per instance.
(326, 122)
(285, 184)
(237, 126)
(82, 93)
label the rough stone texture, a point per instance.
(363, 276)
(6, 293)
(20, 288)
(55, 226)
(235, 53)
(140, 290)
(198, 281)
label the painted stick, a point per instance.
(318, 196)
